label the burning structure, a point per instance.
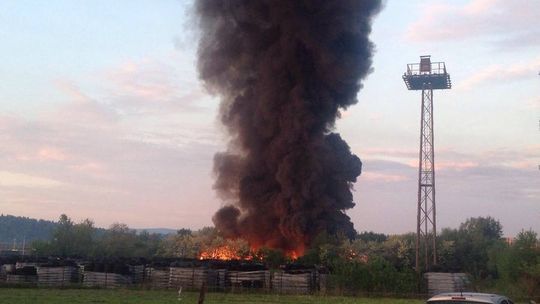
(283, 71)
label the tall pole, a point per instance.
(426, 76)
(426, 223)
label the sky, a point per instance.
(102, 115)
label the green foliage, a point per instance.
(68, 239)
(84, 240)
(273, 258)
(518, 264)
(377, 275)
(121, 241)
(325, 248)
(181, 245)
(19, 228)
(370, 236)
(468, 248)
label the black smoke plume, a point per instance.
(283, 70)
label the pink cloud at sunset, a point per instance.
(496, 20)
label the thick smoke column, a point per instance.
(283, 69)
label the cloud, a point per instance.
(102, 173)
(13, 179)
(154, 87)
(502, 183)
(502, 74)
(508, 23)
(81, 110)
(533, 103)
(375, 176)
(96, 155)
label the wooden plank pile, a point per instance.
(439, 282)
(106, 280)
(19, 265)
(22, 275)
(248, 279)
(137, 272)
(21, 279)
(294, 283)
(57, 276)
(322, 279)
(4, 270)
(219, 279)
(187, 277)
(158, 277)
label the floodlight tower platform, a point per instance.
(426, 76)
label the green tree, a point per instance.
(63, 237)
(84, 238)
(118, 241)
(182, 244)
(468, 248)
(370, 236)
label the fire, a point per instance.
(293, 255)
(228, 252)
(221, 253)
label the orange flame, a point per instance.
(293, 255)
(227, 253)
(221, 253)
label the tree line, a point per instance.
(371, 262)
(18, 228)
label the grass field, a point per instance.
(77, 296)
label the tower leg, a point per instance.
(426, 229)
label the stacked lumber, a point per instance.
(187, 277)
(57, 276)
(158, 277)
(4, 269)
(8, 268)
(248, 279)
(19, 265)
(22, 275)
(106, 280)
(21, 279)
(294, 283)
(137, 272)
(439, 282)
(322, 280)
(219, 279)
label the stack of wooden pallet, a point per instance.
(106, 280)
(248, 279)
(23, 274)
(137, 272)
(296, 283)
(187, 277)
(158, 277)
(3, 273)
(21, 279)
(25, 264)
(439, 282)
(322, 282)
(57, 276)
(219, 279)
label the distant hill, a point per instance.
(21, 228)
(163, 231)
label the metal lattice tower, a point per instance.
(426, 76)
